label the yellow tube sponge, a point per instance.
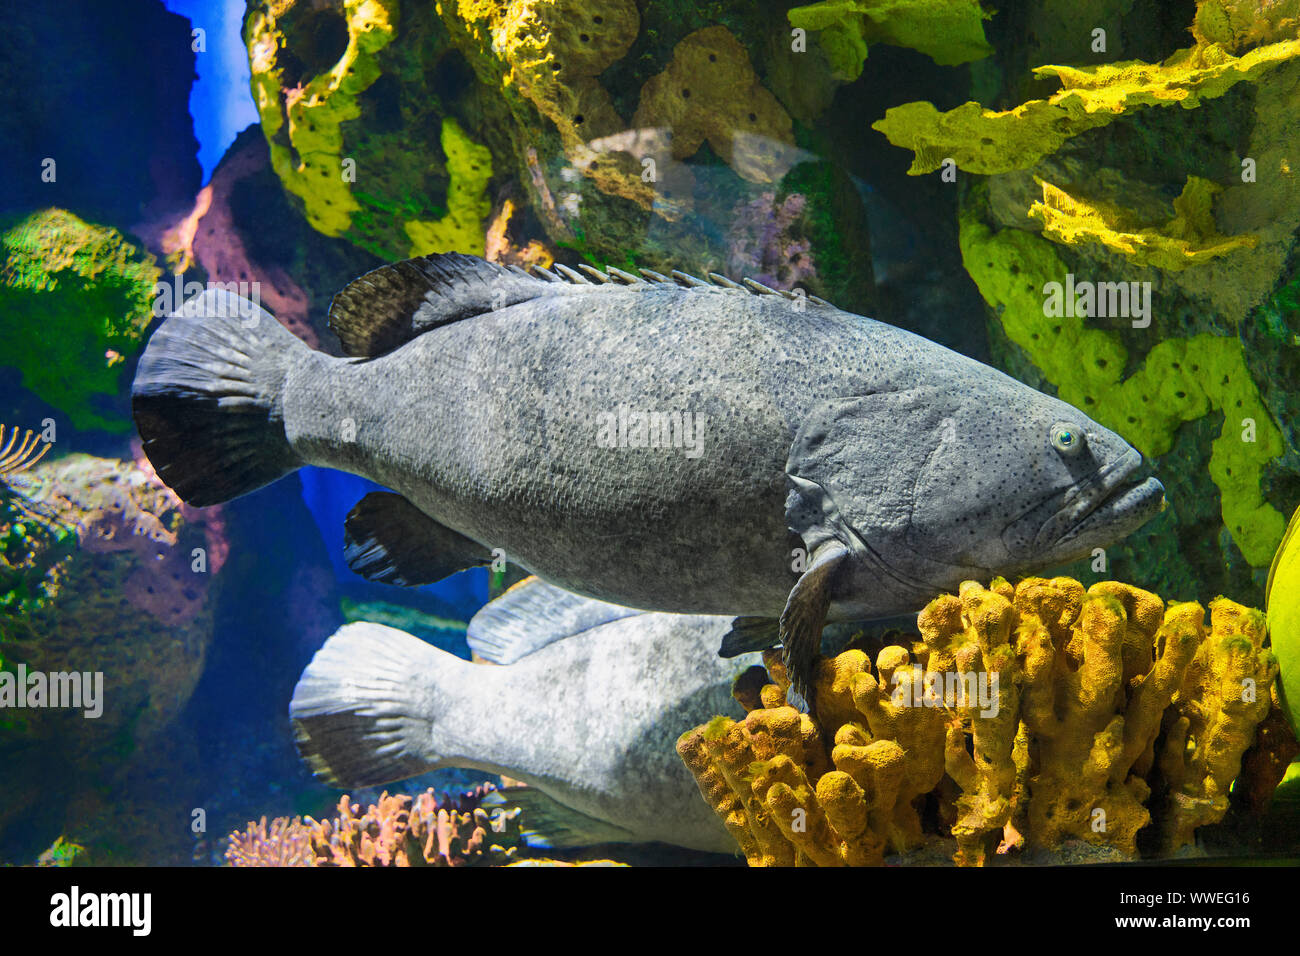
(1225, 693)
(973, 634)
(1036, 715)
(787, 801)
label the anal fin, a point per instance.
(750, 634)
(548, 824)
(389, 540)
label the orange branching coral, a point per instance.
(401, 831)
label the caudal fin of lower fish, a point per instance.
(365, 709)
(207, 398)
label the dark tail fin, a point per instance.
(207, 398)
(366, 708)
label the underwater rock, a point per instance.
(99, 564)
(1114, 166)
(1239, 25)
(1188, 239)
(763, 245)
(75, 300)
(211, 237)
(98, 576)
(542, 60)
(364, 108)
(603, 168)
(305, 90)
(501, 245)
(461, 230)
(1058, 714)
(709, 91)
(1181, 379)
(1230, 314)
(984, 141)
(244, 227)
(398, 830)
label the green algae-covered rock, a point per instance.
(364, 106)
(75, 300)
(102, 570)
(1195, 211)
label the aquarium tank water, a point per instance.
(647, 433)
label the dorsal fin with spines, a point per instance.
(571, 275)
(390, 306)
(625, 277)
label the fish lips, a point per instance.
(1114, 503)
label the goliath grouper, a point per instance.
(587, 713)
(665, 444)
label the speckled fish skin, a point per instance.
(847, 470)
(932, 467)
(591, 720)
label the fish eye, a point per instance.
(1066, 438)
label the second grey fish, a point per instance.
(587, 713)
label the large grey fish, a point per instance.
(587, 712)
(666, 444)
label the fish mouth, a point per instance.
(1115, 502)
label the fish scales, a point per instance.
(845, 469)
(517, 465)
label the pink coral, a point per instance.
(422, 831)
(287, 843)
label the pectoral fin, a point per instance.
(805, 615)
(389, 540)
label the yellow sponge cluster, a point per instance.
(788, 802)
(1035, 715)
